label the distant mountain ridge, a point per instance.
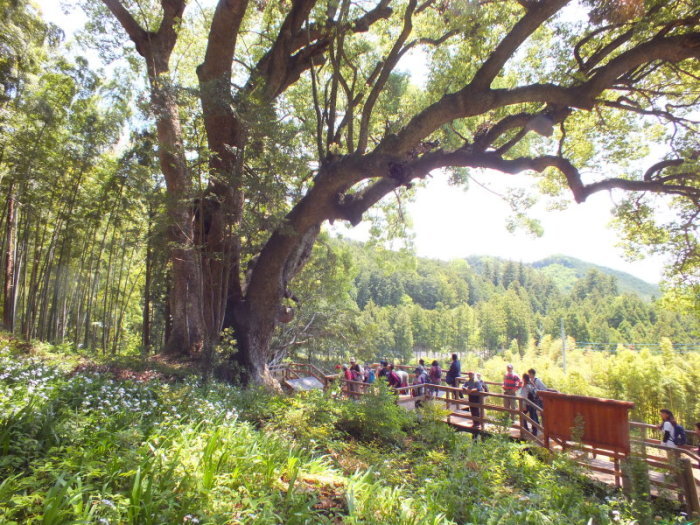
(565, 270)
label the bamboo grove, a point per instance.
(78, 218)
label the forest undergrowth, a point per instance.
(102, 442)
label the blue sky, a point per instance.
(450, 223)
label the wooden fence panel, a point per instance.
(604, 422)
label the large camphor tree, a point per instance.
(311, 114)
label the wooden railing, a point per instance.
(674, 469)
(677, 469)
(298, 370)
(459, 407)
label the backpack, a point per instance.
(435, 373)
(532, 396)
(394, 379)
(679, 435)
(371, 377)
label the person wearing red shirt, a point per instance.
(511, 384)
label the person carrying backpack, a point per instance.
(370, 375)
(383, 369)
(420, 379)
(529, 391)
(356, 370)
(674, 434)
(392, 377)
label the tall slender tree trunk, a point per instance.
(8, 315)
(146, 328)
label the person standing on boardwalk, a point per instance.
(529, 392)
(370, 375)
(403, 377)
(668, 428)
(435, 376)
(453, 373)
(511, 384)
(537, 382)
(383, 370)
(420, 379)
(356, 370)
(392, 377)
(472, 387)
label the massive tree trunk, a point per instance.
(256, 315)
(187, 334)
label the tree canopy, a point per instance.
(273, 118)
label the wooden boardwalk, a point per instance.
(676, 473)
(597, 468)
(602, 458)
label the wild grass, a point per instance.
(84, 447)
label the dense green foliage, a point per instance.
(652, 381)
(77, 215)
(374, 302)
(104, 445)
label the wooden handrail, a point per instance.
(461, 409)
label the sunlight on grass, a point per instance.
(84, 447)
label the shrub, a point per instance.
(375, 417)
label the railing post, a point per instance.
(521, 417)
(482, 411)
(626, 480)
(690, 491)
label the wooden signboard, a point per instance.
(601, 423)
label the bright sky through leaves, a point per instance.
(450, 223)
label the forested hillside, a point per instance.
(378, 302)
(566, 270)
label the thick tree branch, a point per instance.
(137, 34)
(466, 158)
(221, 44)
(156, 47)
(352, 207)
(167, 32)
(474, 100)
(386, 69)
(296, 47)
(536, 15)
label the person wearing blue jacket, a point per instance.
(453, 373)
